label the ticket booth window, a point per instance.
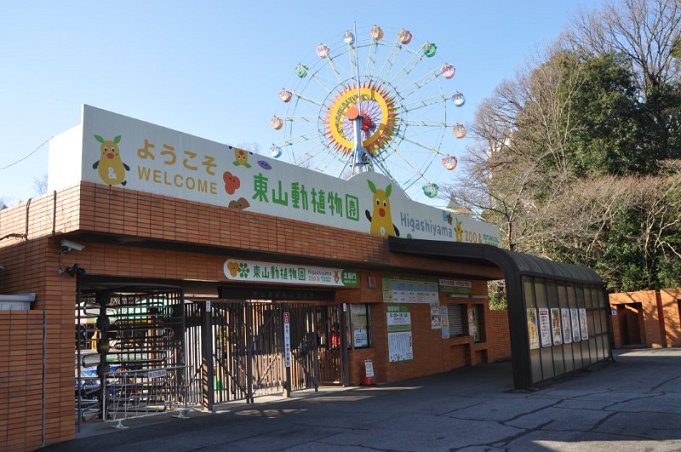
(359, 326)
(455, 315)
(466, 320)
(475, 323)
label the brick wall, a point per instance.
(34, 367)
(671, 308)
(653, 325)
(124, 213)
(21, 388)
(499, 336)
(357, 365)
(29, 251)
(432, 353)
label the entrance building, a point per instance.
(646, 318)
(193, 273)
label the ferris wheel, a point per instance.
(372, 104)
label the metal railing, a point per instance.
(132, 394)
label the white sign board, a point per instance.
(400, 347)
(271, 272)
(287, 339)
(404, 290)
(119, 151)
(369, 368)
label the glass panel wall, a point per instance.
(593, 349)
(532, 327)
(566, 326)
(556, 330)
(544, 320)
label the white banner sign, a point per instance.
(119, 151)
(271, 272)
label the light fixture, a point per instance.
(74, 270)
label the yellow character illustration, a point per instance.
(110, 166)
(241, 157)
(459, 232)
(382, 219)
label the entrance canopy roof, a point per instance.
(512, 263)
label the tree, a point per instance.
(253, 147)
(571, 159)
(646, 34)
(625, 228)
(40, 185)
(518, 163)
(607, 127)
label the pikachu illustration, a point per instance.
(110, 166)
(381, 219)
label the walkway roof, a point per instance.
(509, 261)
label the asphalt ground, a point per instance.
(630, 404)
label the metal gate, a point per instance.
(239, 349)
(129, 352)
(330, 323)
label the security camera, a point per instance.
(68, 245)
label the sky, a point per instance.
(214, 69)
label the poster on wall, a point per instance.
(545, 327)
(574, 316)
(473, 329)
(444, 321)
(404, 290)
(359, 322)
(583, 324)
(360, 338)
(532, 329)
(567, 325)
(399, 347)
(555, 326)
(399, 318)
(435, 317)
(399, 333)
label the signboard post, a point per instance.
(287, 351)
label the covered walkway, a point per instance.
(557, 313)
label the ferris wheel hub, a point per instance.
(379, 112)
(352, 113)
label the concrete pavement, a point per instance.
(631, 404)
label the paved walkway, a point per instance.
(631, 404)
